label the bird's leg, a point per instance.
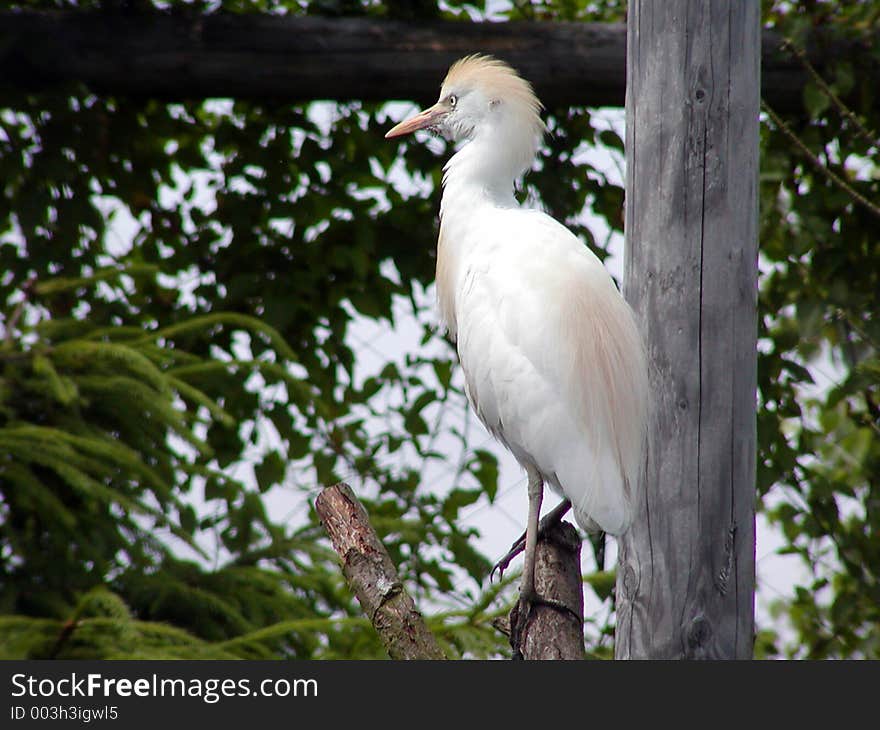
(552, 518)
(527, 591)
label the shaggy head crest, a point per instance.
(497, 81)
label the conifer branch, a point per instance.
(373, 578)
(237, 320)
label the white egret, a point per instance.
(553, 361)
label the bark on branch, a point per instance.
(551, 633)
(373, 578)
(293, 59)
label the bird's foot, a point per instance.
(550, 519)
(519, 617)
(504, 563)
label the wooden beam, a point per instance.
(686, 575)
(177, 56)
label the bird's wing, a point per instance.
(554, 363)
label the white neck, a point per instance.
(477, 173)
(477, 179)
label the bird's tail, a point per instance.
(606, 502)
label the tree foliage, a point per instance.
(179, 291)
(819, 410)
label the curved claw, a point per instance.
(550, 519)
(504, 563)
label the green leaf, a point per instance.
(815, 100)
(457, 499)
(602, 582)
(484, 466)
(270, 471)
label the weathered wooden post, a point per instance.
(686, 577)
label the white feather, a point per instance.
(553, 361)
(552, 358)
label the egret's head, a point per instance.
(483, 97)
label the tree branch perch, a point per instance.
(551, 633)
(373, 578)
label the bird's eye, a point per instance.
(453, 100)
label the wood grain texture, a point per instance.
(290, 59)
(373, 578)
(687, 567)
(551, 633)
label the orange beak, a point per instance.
(427, 118)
